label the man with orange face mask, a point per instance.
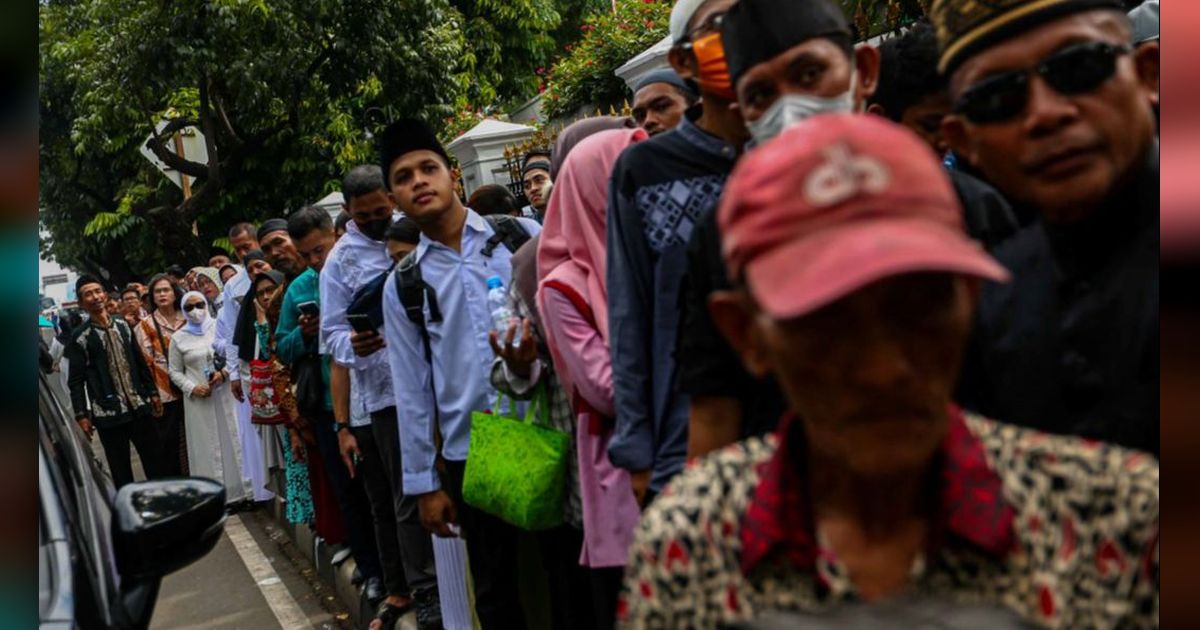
(659, 191)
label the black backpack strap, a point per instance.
(507, 230)
(413, 292)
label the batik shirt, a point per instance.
(1060, 530)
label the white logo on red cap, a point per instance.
(843, 175)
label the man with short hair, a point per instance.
(112, 389)
(364, 406)
(131, 306)
(243, 237)
(875, 487)
(535, 178)
(659, 191)
(1054, 106)
(910, 90)
(494, 199)
(440, 369)
(659, 100)
(309, 234)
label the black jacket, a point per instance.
(89, 378)
(1071, 344)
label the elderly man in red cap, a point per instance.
(856, 285)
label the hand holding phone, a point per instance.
(309, 308)
(360, 323)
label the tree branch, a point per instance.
(157, 145)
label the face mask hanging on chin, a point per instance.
(713, 75)
(791, 109)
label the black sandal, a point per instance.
(389, 614)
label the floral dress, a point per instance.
(297, 490)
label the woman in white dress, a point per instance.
(214, 449)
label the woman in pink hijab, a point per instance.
(573, 300)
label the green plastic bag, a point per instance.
(516, 470)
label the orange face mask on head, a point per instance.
(714, 72)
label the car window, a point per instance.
(83, 490)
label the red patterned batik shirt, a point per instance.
(1060, 530)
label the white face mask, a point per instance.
(198, 315)
(790, 109)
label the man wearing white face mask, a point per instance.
(788, 61)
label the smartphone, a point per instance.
(360, 322)
(309, 308)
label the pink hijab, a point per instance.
(571, 254)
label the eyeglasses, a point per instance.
(187, 308)
(1074, 70)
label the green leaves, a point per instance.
(584, 77)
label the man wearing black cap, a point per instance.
(1054, 106)
(440, 366)
(659, 191)
(659, 100)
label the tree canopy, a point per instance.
(281, 91)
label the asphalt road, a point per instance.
(253, 579)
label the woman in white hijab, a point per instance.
(214, 449)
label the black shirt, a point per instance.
(1071, 344)
(708, 366)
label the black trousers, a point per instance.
(492, 552)
(416, 549)
(141, 432)
(383, 509)
(606, 587)
(351, 498)
(170, 432)
(569, 583)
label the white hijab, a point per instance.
(204, 322)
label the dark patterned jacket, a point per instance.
(660, 189)
(1060, 530)
(92, 381)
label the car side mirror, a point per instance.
(162, 526)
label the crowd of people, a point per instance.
(827, 324)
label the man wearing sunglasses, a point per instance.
(1054, 106)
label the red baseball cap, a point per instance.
(838, 202)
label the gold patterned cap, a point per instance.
(964, 27)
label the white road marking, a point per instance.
(282, 604)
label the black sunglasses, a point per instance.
(1073, 70)
(187, 308)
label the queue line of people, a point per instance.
(934, 260)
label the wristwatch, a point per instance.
(338, 426)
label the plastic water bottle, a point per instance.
(502, 316)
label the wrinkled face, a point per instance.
(281, 252)
(243, 244)
(658, 107)
(422, 185)
(256, 267)
(374, 206)
(871, 375)
(93, 298)
(163, 293)
(315, 246)
(399, 249)
(817, 67)
(218, 261)
(534, 183)
(208, 288)
(925, 119)
(1062, 154)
